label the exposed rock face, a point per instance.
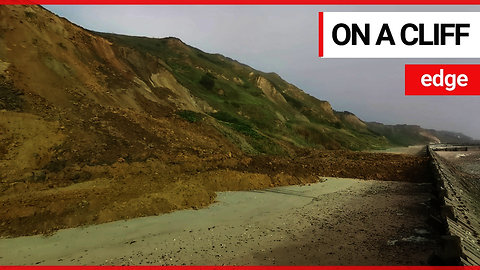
(270, 92)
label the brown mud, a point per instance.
(126, 190)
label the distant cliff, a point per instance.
(405, 135)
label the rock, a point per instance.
(83, 204)
(449, 252)
(81, 176)
(39, 176)
(447, 212)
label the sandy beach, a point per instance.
(337, 221)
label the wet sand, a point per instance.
(466, 161)
(414, 150)
(338, 221)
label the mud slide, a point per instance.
(414, 150)
(124, 190)
(337, 221)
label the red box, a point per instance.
(442, 80)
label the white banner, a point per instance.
(400, 35)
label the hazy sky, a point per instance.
(283, 39)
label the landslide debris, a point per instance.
(134, 189)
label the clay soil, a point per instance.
(125, 190)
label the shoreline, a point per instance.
(339, 221)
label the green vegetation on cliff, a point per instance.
(267, 112)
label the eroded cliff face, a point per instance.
(126, 93)
(270, 91)
(52, 58)
(70, 98)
